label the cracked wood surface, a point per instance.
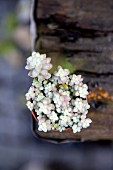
(79, 35)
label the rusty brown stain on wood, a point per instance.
(98, 94)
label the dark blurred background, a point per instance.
(19, 148)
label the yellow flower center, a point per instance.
(59, 86)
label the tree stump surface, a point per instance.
(79, 35)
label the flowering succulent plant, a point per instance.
(59, 99)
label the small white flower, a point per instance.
(28, 96)
(80, 105)
(38, 112)
(75, 79)
(75, 119)
(50, 94)
(48, 124)
(61, 128)
(31, 93)
(83, 117)
(40, 97)
(64, 121)
(30, 105)
(42, 127)
(86, 123)
(48, 88)
(53, 117)
(67, 112)
(76, 128)
(82, 91)
(46, 106)
(62, 75)
(58, 110)
(38, 66)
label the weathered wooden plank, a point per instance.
(79, 35)
(86, 13)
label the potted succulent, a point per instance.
(58, 101)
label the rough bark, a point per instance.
(78, 34)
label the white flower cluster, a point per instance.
(59, 100)
(39, 65)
